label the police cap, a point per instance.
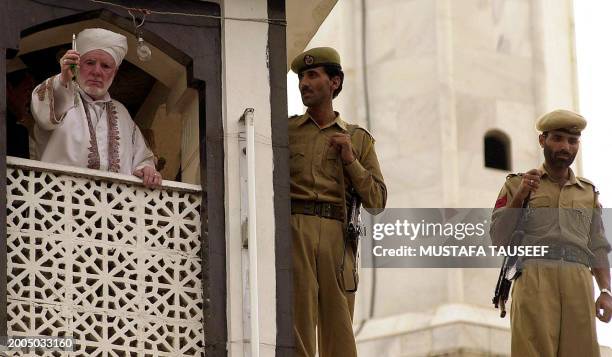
(315, 57)
(561, 119)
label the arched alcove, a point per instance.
(156, 92)
(497, 150)
(183, 83)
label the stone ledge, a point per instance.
(456, 330)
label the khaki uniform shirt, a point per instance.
(317, 171)
(570, 214)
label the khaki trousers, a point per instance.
(320, 301)
(553, 311)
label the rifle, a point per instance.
(511, 267)
(355, 228)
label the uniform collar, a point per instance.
(338, 121)
(572, 177)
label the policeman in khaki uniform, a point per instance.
(553, 309)
(329, 157)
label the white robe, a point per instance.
(63, 134)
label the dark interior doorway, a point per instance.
(497, 150)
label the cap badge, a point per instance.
(308, 60)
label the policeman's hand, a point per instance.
(71, 57)
(604, 302)
(342, 143)
(530, 183)
(150, 177)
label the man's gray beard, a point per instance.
(94, 91)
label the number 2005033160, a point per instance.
(48, 343)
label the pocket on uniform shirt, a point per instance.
(541, 218)
(333, 165)
(296, 159)
(539, 202)
(582, 215)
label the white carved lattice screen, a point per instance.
(97, 257)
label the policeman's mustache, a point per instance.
(304, 90)
(563, 152)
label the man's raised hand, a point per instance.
(71, 57)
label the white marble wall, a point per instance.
(246, 84)
(441, 74)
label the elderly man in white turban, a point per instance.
(80, 125)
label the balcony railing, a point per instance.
(98, 257)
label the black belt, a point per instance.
(566, 253)
(321, 209)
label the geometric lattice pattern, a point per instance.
(114, 265)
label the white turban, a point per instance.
(100, 39)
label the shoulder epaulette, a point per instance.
(354, 127)
(587, 181)
(520, 174)
(294, 116)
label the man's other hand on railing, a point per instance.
(150, 177)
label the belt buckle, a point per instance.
(309, 207)
(316, 209)
(326, 210)
(556, 253)
(573, 256)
